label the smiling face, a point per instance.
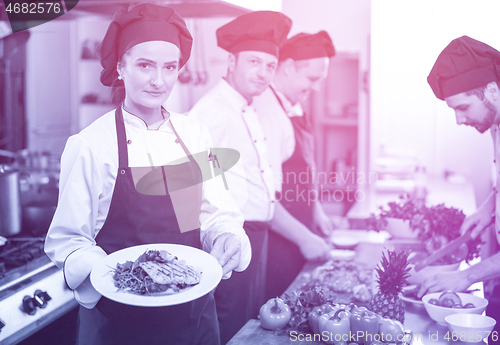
(250, 72)
(305, 76)
(470, 110)
(149, 71)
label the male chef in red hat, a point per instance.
(253, 41)
(466, 76)
(303, 65)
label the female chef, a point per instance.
(100, 210)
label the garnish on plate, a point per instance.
(155, 271)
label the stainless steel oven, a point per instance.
(33, 293)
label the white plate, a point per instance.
(342, 254)
(345, 242)
(411, 300)
(101, 276)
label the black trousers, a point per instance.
(239, 298)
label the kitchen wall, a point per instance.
(347, 22)
(407, 37)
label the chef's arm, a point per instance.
(70, 240)
(461, 280)
(311, 245)
(484, 270)
(484, 216)
(321, 220)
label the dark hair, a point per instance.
(479, 92)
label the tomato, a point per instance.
(469, 305)
(447, 302)
(433, 301)
(449, 299)
(457, 306)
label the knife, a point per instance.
(447, 249)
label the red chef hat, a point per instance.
(464, 64)
(142, 23)
(305, 46)
(263, 31)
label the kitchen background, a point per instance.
(375, 114)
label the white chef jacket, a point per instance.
(278, 129)
(495, 134)
(233, 123)
(89, 166)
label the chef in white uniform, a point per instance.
(102, 210)
(466, 75)
(252, 41)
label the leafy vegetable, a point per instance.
(429, 222)
(302, 301)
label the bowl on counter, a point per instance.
(400, 228)
(344, 242)
(438, 313)
(470, 328)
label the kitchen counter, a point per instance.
(368, 252)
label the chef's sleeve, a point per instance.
(219, 213)
(70, 240)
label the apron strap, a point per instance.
(278, 98)
(122, 138)
(188, 154)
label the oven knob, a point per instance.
(29, 305)
(41, 298)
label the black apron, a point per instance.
(135, 219)
(285, 261)
(240, 297)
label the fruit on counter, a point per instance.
(320, 287)
(390, 331)
(434, 301)
(450, 299)
(314, 315)
(364, 324)
(392, 275)
(336, 325)
(274, 314)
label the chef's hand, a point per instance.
(314, 247)
(227, 251)
(479, 220)
(322, 221)
(445, 281)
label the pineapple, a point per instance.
(392, 276)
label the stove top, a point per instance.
(18, 251)
(21, 259)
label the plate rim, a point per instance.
(157, 300)
(411, 300)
